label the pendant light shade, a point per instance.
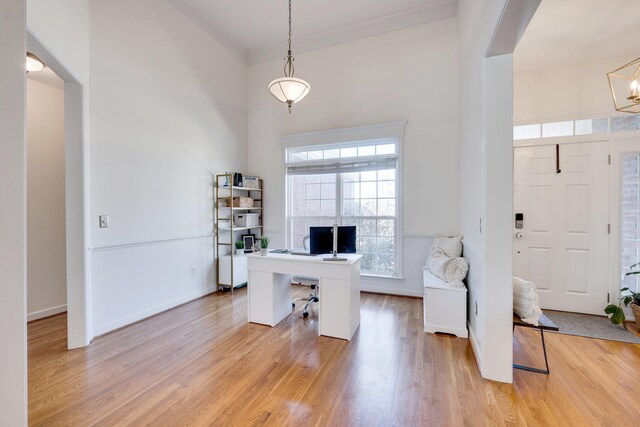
(33, 63)
(289, 89)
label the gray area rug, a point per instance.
(586, 325)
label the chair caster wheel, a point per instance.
(293, 305)
(305, 314)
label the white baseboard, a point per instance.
(40, 314)
(127, 320)
(392, 291)
(475, 347)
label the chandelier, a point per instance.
(289, 89)
(623, 83)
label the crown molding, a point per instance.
(192, 13)
(440, 9)
(434, 11)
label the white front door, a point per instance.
(563, 193)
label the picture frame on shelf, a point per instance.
(251, 182)
(249, 240)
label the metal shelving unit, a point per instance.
(225, 237)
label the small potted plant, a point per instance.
(239, 247)
(628, 298)
(264, 245)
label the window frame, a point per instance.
(357, 136)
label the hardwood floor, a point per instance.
(202, 364)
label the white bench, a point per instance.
(445, 306)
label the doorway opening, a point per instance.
(76, 209)
(46, 217)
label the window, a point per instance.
(576, 127)
(348, 184)
(557, 129)
(619, 124)
(630, 236)
(526, 131)
(591, 126)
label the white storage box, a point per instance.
(445, 306)
(246, 219)
(239, 270)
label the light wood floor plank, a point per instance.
(202, 364)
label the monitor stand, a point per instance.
(335, 246)
(335, 258)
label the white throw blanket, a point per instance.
(451, 270)
(526, 302)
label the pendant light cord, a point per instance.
(288, 66)
(289, 27)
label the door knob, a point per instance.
(519, 235)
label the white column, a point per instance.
(13, 309)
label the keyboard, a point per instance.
(302, 253)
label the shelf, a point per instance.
(226, 266)
(240, 188)
(240, 209)
(240, 228)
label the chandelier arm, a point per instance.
(636, 73)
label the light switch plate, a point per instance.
(104, 221)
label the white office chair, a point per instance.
(306, 281)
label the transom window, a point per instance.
(576, 127)
(347, 184)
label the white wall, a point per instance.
(46, 240)
(485, 185)
(168, 110)
(571, 92)
(412, 75)
(13, 357)
(63, 26)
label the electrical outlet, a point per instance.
(104, 221)
(194, 272)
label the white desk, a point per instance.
(269, 290)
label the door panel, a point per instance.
(565, 242)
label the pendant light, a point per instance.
(33, 63)
(289, 89)
(624, 82)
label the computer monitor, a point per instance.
(347, 239)
(321, 240)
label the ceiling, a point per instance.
(257, 30)
(565, 32)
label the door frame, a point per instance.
(77, 184)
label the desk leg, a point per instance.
(269, 297)
(339, 308)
